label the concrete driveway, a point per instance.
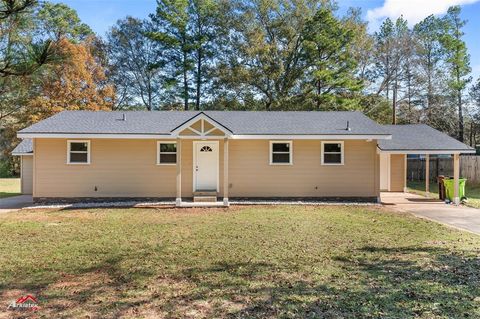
(14, 203)
(462, 217)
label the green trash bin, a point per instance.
(449, 191)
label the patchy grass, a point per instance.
(472, 192)
(248, 262)
(9, 187)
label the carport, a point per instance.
(25, 151)
(416, 139)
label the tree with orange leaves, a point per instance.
(78, 83)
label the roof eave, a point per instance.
(93, 135)
(312, 136)
(22, 154)
(232, 136)
(427, 151)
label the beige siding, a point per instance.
(397, 172)
(127, 168)
(27, 175)
(252, 176)
(119, 168)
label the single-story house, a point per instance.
(196, 156)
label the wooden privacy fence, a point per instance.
(469, 168)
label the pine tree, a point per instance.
(384, 66)
(136, 65)
(391, 51)
(186, 29)
(457, 60)
(429, 55)
(58, 20)
(172, 19)
(204, 29)
(331, 80)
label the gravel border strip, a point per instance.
(134, 204)
(304, 203)
(103, 204)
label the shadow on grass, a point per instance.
(372, 282)
(6, 194)
(383, 282)
(101, 291)
(424, 200)
(112, 206)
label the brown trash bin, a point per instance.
(441, 187)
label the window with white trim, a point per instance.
(332, 153)
(281, 153)
(166, 153)
(78, 152)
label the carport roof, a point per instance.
(420, 139)
(24, 148)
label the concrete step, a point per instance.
(201, 204)
(204, 199)
(205, 193)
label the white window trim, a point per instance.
(158, 153)
(69, 143)
(342, 153)
(290, 148)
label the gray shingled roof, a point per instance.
(419, 137)
(25, 147)
(238, 122)
(411, 137)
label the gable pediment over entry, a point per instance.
(201, 125)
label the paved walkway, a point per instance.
(16, 202)
(431, 208)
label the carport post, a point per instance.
(456, 176)
(225, 172)
(178, 200)
(427, 175)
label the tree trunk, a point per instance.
(199, 79)
(471, 134)
(185, 81)
(460, 117)
(430, 87)
(387, 75)
(394, 107)
(409, 94)
(149, 88)
(319, 92)
(394, 102)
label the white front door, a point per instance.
(205, 166)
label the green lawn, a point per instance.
(472, 192)
(248, 262)
(9, 187)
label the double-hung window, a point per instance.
(166, 153)
(78, 152)
(281, 153)
(332, 153)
